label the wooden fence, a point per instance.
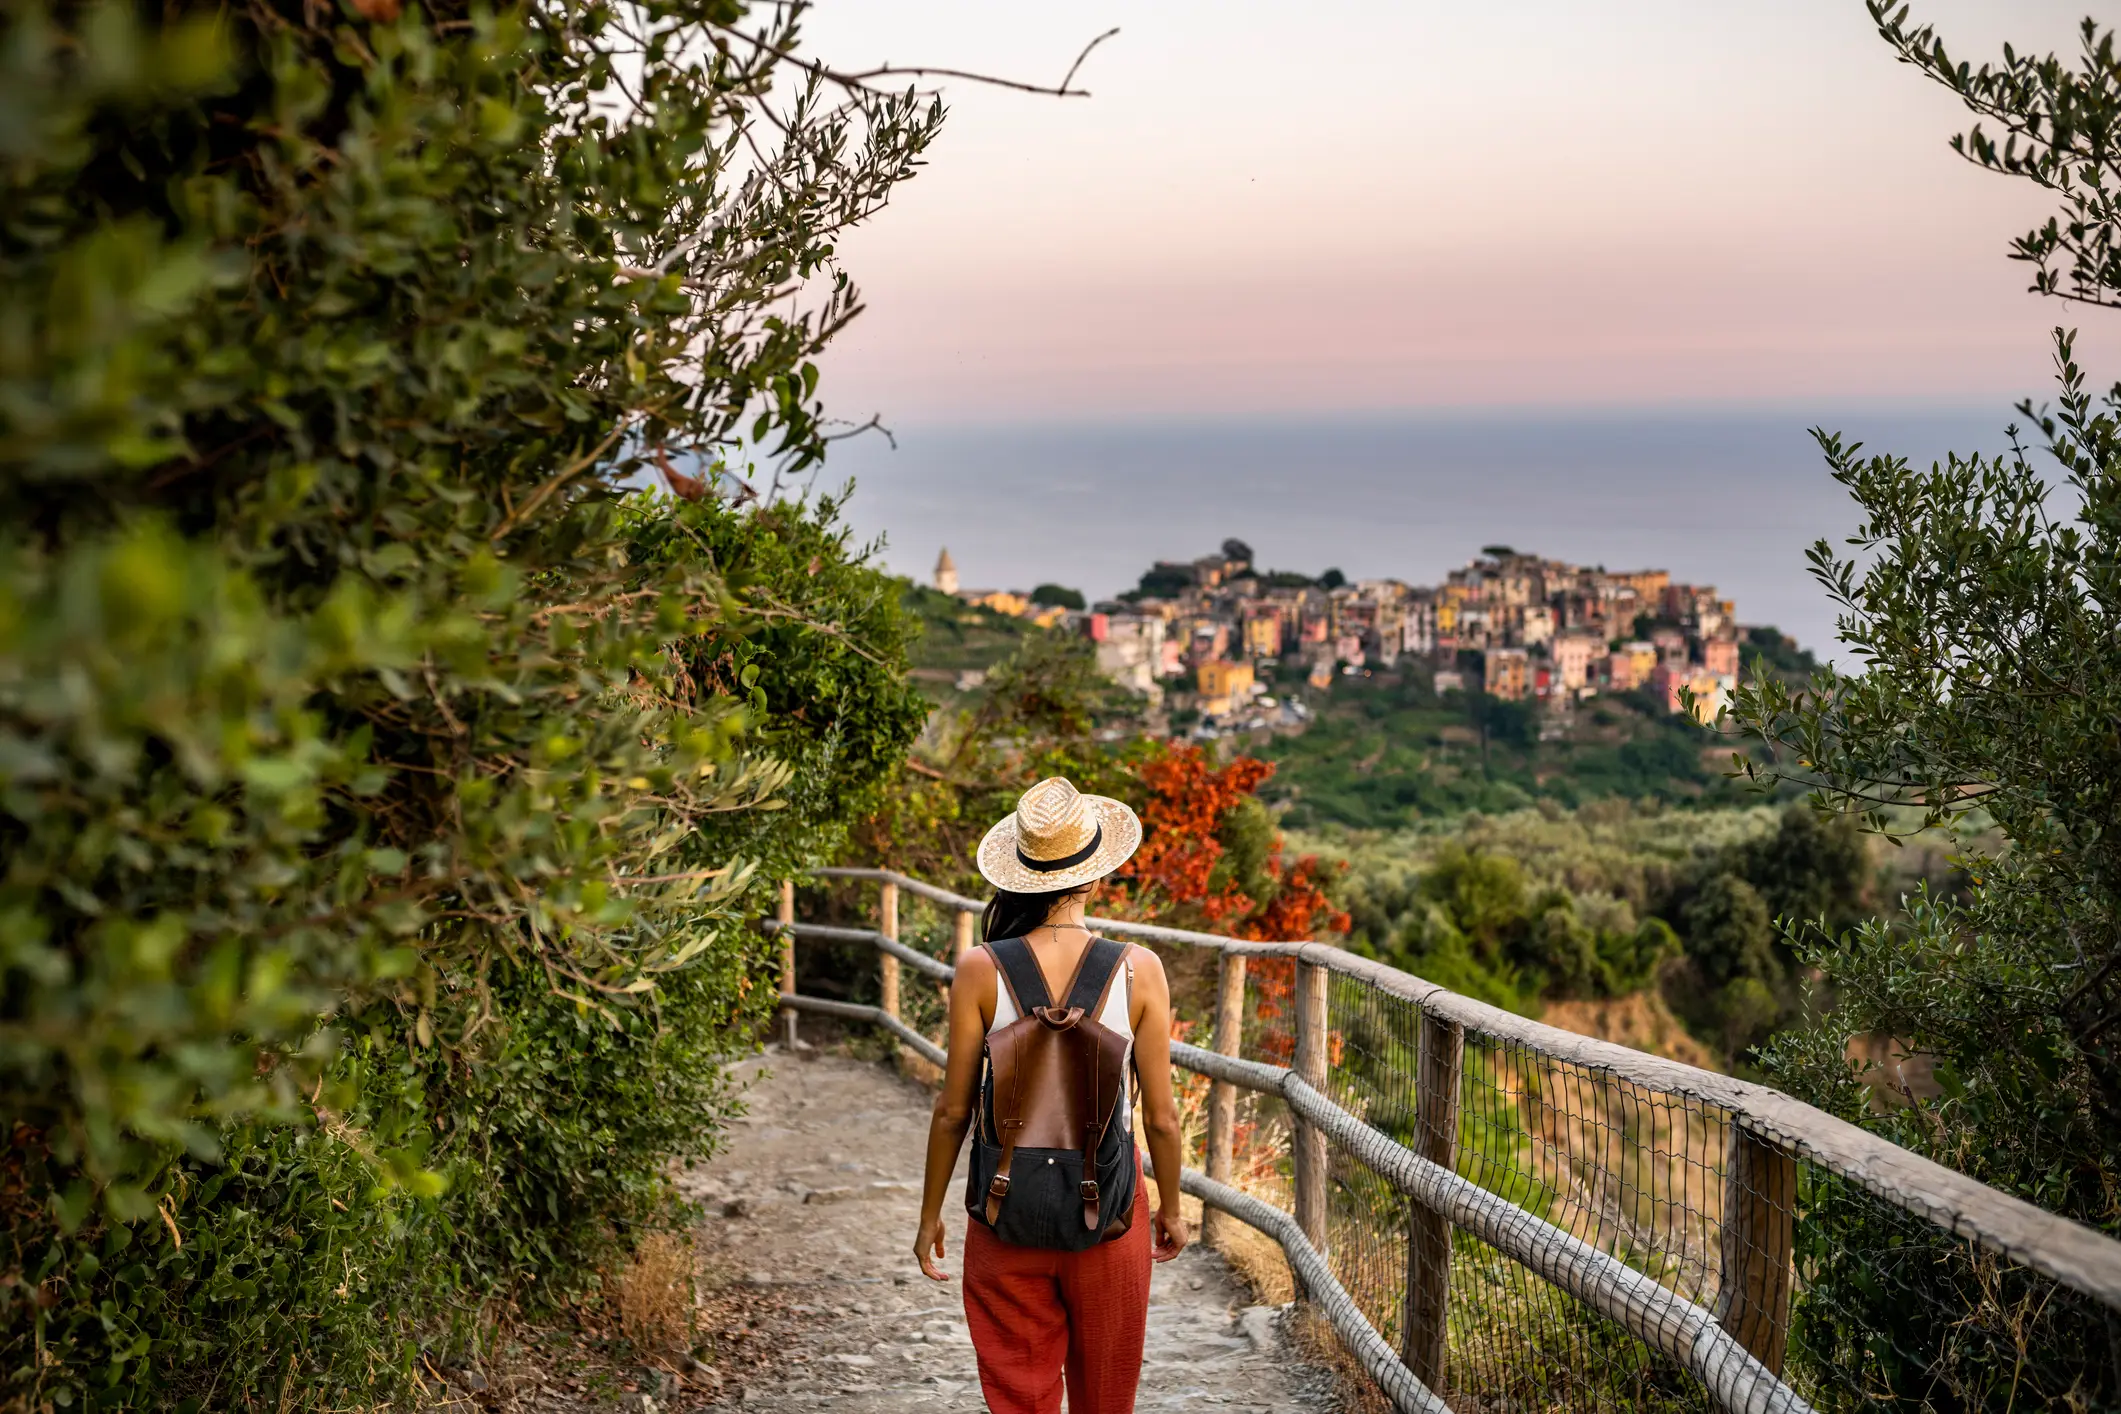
(1717, 1308)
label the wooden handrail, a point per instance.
(1768, 1129)
(2075, 1255)
(824, 932)
(875, 1015)
(907, 882)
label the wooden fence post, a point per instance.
(785, 913)
(1759, 1235)
(887, 924)
(1311, 1155)
(962, 942)
(1423, 1340)
(1216, 1226)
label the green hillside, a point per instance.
(1386, 749)
(956, 637)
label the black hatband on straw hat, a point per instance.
(1066, 861)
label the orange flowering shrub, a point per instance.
(1181, 875)
(1175, 877)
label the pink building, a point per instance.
(1572, 653)
(1664, 683)
(1210, 642)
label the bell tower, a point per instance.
(945, 573)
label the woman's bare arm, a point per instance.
(953, 1104)
(1152, 1062)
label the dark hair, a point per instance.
(1011, 915)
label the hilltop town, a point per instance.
(1214, 635)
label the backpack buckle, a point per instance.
(1087, 1190)
(999, 1188)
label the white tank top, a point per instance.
(1118, 1015)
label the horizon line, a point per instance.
(2002, 406)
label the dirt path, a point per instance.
(815, 1204)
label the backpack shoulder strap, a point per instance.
(1095, 978)
(1019, 969)
(1103, 1059)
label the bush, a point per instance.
(1729, 932)
(1980, 605)
(368, 762)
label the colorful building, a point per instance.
(1002, 601)
(1711, 691)
(1506, 673)
(1262, 635)
(1630, 667)
(1223, 686)
(1572, 654)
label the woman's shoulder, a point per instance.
(1144, 962)
(976, 986)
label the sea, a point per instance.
(1726, 497)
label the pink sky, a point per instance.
(1426, 203)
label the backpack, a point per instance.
(1049, 1168)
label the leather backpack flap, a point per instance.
(1017, 1067)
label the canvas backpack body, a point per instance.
(1050, 1166)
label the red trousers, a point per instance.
(1035, 1313)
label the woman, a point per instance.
(1038, 1315)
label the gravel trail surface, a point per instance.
(812, 1211)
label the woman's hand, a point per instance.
(1169, 1233)
(928, 1249)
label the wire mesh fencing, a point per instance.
(1636, 1174)
(1853, 1301)
(1894, 1312)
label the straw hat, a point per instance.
(1058, 838)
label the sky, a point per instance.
(1377, 205)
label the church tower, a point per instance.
(946, 573)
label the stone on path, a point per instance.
(815, 1202)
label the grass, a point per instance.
(657, 1296)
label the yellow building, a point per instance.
(1712, 693)
(1223, 686)
(1631, 666)
(1263, 636)
(1506, 673)
(1649, 585)
(1001, 601)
